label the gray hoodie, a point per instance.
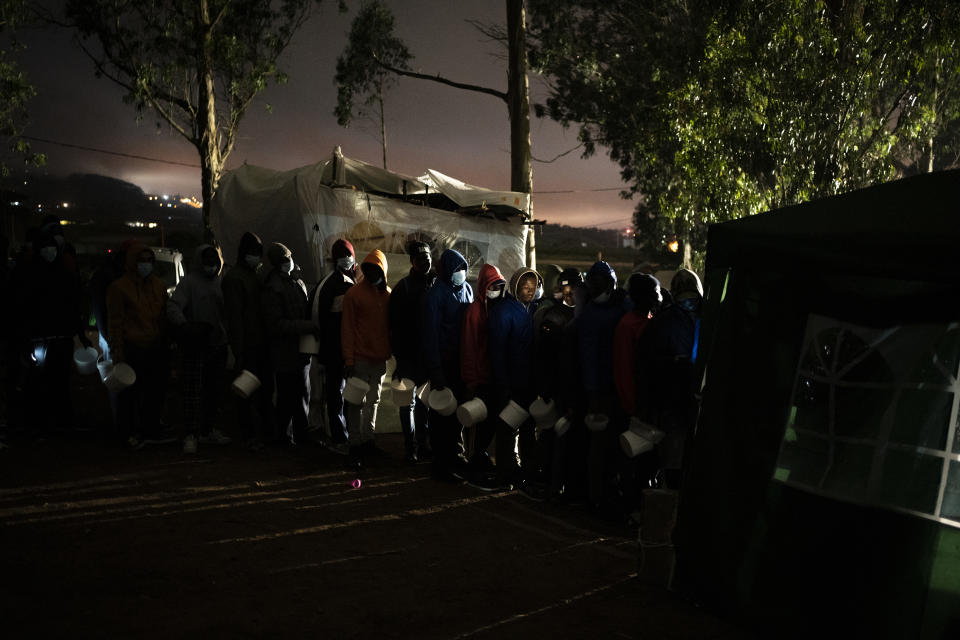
(199, 298)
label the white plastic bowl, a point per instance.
(562, 426)
(633, 445)
(309, 344)
(544, 413)
(443, 402)
(514, 415)
(472, 412)
(245, 384)
(403, 391)
(86, 360)
(355, 390)
(120, 377)
(646, 430)
(596, 421)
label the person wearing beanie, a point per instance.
(443, 308)
(242, 289)
(406, 340)
(285, 318)
(195, 312)
(326, 311)
(475, 366)
(365, 335)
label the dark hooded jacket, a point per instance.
(136, 308)
(48, 296)
(242, 287)
(595, 327)
(474, 356)
(511, 340)
(198, 300)
(326, 310)
(284, 306)
(406, 324)
(444, 306)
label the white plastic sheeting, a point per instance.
(309, 208)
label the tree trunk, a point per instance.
(383, 126)
(518, 104)
(208, 143)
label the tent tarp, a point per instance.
(302, 209)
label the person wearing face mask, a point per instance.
(195, 313)
(326, 311)
(365, 335)
(243, 317)
(48, 296)
(68, 253)
(406, 341)
(286, 318)
(443, 309)
(136, 321)
(475, 367)
(595, 327)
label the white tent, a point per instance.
(309, 208)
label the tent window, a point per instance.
(875, 417)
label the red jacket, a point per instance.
(626, 339)
(474, 360)
(365, 329)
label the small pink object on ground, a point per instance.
(356, 483)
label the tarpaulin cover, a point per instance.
(309, 208)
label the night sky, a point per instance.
(463, 134)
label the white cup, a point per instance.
(245, 384)
(633, 445)
(514, 415)
(355, 390)
(472, 412)
(120, 377)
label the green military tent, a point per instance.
(822, 487)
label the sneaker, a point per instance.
(411, 458)
(134, 443)
(485, 481)
(533, 490)
(215, 437)
(190, 444)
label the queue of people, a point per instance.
(559, 365)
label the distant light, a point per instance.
(152, 225)
(65, 222)
(169, 217)
(674, 246)
(66, 205)
(15, 203)
(166, 197)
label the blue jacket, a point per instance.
(510, 344)
(595, 328)
(443, 307)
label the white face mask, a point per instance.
(493, 294)
(458, 278)
(253, 261)
(345, 263)
(287, 267)
(144, 269)
(48, 253)
(567, 304)
(539, 293)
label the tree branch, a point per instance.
(458, 85)
(558, 156)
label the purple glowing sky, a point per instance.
(463, 134)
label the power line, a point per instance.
(602, 224)
(537, 193)
(111, 153)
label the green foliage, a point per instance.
(15, 88)
(360, 68)
(720, 109)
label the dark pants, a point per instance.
(446, 435)
(255, 414)
(203, 373)
(416, 430)
(333, 388)
(47, 384)
(293, 402)
(139, 406)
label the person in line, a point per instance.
(511, 357)
(195, 312)
(596, 325)
(365, 335)
(406, 340)
(475, 368)
(528, 291)
(243, 315)
(443, 308)
(136, 321)
(326, 311)
(285, 317)
(48, 295)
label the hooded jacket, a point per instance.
(284, 306)
(365, 329)
(136, 307)
(326, 309)
(529, 307)
(595, 327)
(443, 310)
(511, 339)
(48, 296)
(243, 318)
(406, 324)
(474, 358)
(198, 298)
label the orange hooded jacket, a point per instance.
(365, 327)
(135, 307)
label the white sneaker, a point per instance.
(190, 444)
(215, 437)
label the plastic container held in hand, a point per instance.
(245, 384)
(646, 430)
(403, 391)
(514, 415)
(120, 377)
(355, 390)
(423, 393)
(104, 367)
(309, 344)
(86, 360)
(544, 413)
(562, 426)
(443, 402)
(596, 421)
(472, 412)
(633, 445)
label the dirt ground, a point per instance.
(98, 541)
